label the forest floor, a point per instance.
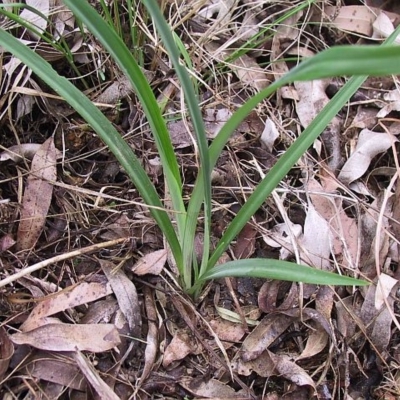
(100, 314)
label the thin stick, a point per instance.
(61, 257)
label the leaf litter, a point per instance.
(112, 320)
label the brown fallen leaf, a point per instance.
(264, 334)
(6, 352)
(245, 243)
(57, 368)
(151, 263)
(126, 294)
(181, 345)
(37, 196)
(57, 302)
(65, 337)
(93, 377)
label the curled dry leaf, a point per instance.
(6, 242)
(369, 145)
(152, 263)
(181, 345)
(65, 337)
(37, 195)
(269, 134)
(152, 334)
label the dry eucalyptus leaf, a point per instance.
(315, 249)
(264, 334)
(57, 368)
(69, 298)
(126, 294)
(37, 21)
(369, 145)
(37, 195)
(210, 389)
(152, 263)
(65, 337)
(19, 152)
(181, 345)
(269, 134)
(93, 377)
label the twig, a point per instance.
(61, 257)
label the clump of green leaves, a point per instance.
(180, 232)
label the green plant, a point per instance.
(180, 234)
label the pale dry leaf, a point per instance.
(83, 293)
(383, 28)
(263, 335)
(24, 106)
(38, 21)
(383, 289)
(357, 19)
(269, 134)
(181, 345)
(100, 312)
(312, 99)
(57, 368)
(290, 28)
(150, 353)
(152, 263)
(369, 145)
(227, 331)
(65, 337)
(210, 389)
(393, 99)
(316, 342)
(366, 118)
(279, 237)
(223, 10)
(180, 137)
(215, 119)
(6, 242)
(19, 152)
(249, 72)
(37, 195)
(291, 371)
(126, 294)
(344, 230)
(93, 377)
(315, 248)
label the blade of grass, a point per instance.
(280, 270)
(192, 102)
(327, 63)
(103, 128)
(121, 54)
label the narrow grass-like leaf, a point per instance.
(313, 69)
(121, 54)
(280, 270)
(192, 102)
(103, 128)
